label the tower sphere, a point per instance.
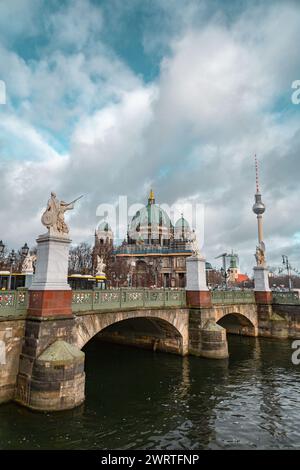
(258, 207)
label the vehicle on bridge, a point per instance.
(76, 281)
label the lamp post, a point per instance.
(2, 246)
(25, 250)
(155, 266)
(12, 259)
(286, 263)
(225, 275)
(131, 272)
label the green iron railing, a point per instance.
(232, 297)
(13, 304)
(289, 298)
(90, 300)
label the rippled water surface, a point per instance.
(142, 400)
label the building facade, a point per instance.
(154, 252)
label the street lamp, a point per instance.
(225, 275)
(286, 263)
(25, 250)
(12, 259)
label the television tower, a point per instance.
(258, 207)
(261, 275)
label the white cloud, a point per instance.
(191, 133)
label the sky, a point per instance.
(110, 97)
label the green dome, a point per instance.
(151, 214)
(182, 223)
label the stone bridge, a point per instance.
(41, 357)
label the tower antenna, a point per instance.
(256, 173)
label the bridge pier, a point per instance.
(51, 371)
(270, 324)
(206, 338)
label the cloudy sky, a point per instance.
(112, 97)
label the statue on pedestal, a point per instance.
(54, 216)
(27, 265)
(260, 255)
(100, 266)
(194, 244)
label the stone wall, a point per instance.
(153, 343)
(11, 338)
(291, 315)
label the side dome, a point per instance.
(104, 226)
(104, 232)
(182, 229)
(182, 223)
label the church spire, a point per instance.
(151, 199)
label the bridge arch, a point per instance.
(240, 319)
(165, 322)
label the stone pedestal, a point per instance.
(197, 292)
(50, 294)
(263, 293)
(51, 271)
(261, 279)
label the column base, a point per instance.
(214, 341)
(198, 298)
(50, 303)
(57, 379)
(263, 297)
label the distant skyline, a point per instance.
(109, 98)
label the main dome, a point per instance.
(150, 222)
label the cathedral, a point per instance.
(154, 252)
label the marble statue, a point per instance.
(27, 265)
(100, 266)
(260, 255)
(194, 244)
(54, 216)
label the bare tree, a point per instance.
(80, 259)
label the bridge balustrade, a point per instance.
(127, 298)
(289, 298)
(232, 297)
(13, 304)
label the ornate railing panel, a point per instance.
(126, 298)
(232, 297)
(289, 298)
(13, 304)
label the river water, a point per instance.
(138, 399)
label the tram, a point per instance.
(17, 280)
(76, 281)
